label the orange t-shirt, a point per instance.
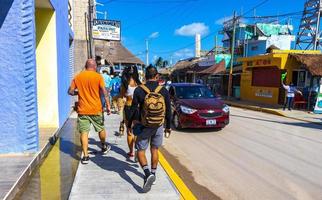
(88, 84)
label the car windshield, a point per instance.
(193, 92)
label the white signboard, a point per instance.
(106, 30)
(264, 93)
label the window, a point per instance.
(254, 48)
(193, 92)
(266, 77)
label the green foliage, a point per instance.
(160, 63)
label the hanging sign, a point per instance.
(106, 30)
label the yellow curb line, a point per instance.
(184, 191)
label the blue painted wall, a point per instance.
(256, 48)
(18, 84)
(63, 32)
(18, 110)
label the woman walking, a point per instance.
(130, 80)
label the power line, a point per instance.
(257, 6)
(186, 46)
(144, 20)
(274, 16)
(209, 35)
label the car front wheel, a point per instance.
(176, 122)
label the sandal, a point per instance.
(121, 129)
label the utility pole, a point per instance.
(230, 81)
(147, 51)
(105, 15)
(216, 44)
(90, 26)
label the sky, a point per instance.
(171, 25)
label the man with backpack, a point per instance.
(115, 89)
(150, 110)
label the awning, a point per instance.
(312, 62)
(214, 69)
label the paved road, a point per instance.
(258, 156)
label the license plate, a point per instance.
(211, 122)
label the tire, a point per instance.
(176, 122)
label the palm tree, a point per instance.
(165, 63)
(160, 63)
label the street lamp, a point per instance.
(152, 36)
(99, 12)
(147, 51)
(102, 13)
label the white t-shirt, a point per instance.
(290, 90)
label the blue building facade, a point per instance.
(23, 77)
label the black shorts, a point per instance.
(126, 112)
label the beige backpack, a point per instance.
(153, 111)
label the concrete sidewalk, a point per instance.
(300, 115)
(113, 176)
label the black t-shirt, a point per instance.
(138, 101)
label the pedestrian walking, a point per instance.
(115, 89)
(87, 85)
(150, 109)
(107, 80)
(130, 81)
(290, 94)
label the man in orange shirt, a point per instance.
(87, 85)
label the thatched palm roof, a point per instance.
(116, 53)
(312, 62)
(185, 65)
(165, 71)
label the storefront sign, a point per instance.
(106, 30)
(318, 104)
(264, 93)
(261, 62)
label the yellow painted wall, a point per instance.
(278, 58)
(251, 93)
(46, 57)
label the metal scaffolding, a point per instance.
(310, 34)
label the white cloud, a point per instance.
(193, 29)
(154, 35)
(183, 53)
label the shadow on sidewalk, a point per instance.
(115, 165)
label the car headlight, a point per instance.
(187, 110)
(225, 109)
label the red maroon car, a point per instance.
(195, 106)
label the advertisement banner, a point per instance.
(318, 104)
(106, 30)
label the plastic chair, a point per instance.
(299, 101)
